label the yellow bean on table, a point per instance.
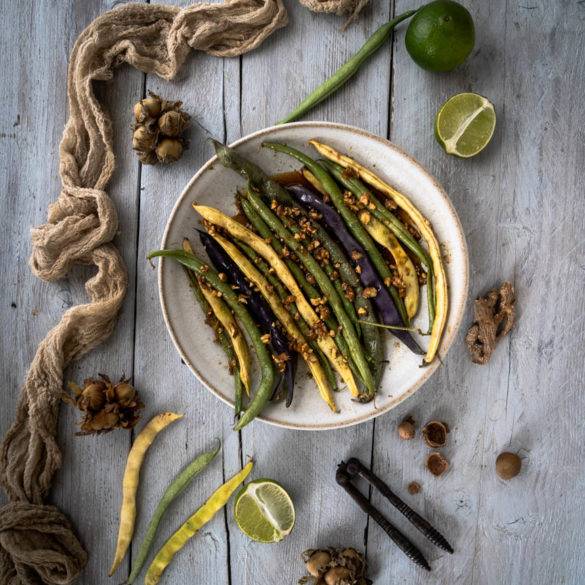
(130, 481)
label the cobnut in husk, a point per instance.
(435, 433)
(406, 429)
(317, 563)
(508, 465)
(173, 123)
(149, 107)
(169, 150)
(437, 464)
(148, 158)
(338, 576)
(105, 405)
(143, 140)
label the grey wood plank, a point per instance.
(274, 79)
(34, 94)
(520, 203)
(169, 384)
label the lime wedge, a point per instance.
(264, 511)
(465, 124)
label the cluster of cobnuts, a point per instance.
(157, 131)
(332, 566)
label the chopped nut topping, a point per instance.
(356, 255)
(369, 292)
(265, 338)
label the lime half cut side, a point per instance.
(264, 511)
(465, 124)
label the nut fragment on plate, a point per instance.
(435, 433)
(494, 317)
(437, 464)
(414, 488)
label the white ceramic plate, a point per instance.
(214, 185)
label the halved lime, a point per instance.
(264, 511)
(465, 124)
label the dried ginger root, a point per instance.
(494, 318)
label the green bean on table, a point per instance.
(347, 70)
(176, 487)
(264, 389)
(194, 523)
(352, 222)
(347, 328)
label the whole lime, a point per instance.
(440, 35)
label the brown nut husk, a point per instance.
(332, 566)
(508, 465)
(159, 125)
(173, 123)
(169, 150)
(106, 406)
(149, 107)
(494, 317)
(437, 464)
(435, 433)
(148, 158)
(407, 429)
(143, 139)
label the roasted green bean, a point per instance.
(264, 390)
(347, 328)
(352, 222)
(384, 215)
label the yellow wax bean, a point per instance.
(194, 523)
(226, 318)
(240, 232)
(130, 482)
(423, 225)
(381, 234)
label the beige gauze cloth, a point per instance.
(37, 542)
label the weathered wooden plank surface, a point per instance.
(521, 206)
(32, 119)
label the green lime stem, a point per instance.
(348, 69)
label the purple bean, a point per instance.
(258, 307)
(383, 303)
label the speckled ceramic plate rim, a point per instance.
(448, 336)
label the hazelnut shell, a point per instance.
(435, 433)
(437, 464)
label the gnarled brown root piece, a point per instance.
(494, 317)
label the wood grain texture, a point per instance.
(521, 204)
